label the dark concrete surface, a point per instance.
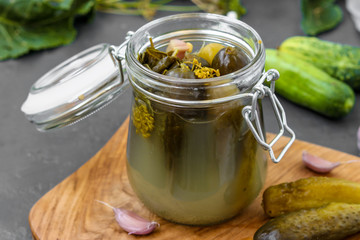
(31, 163)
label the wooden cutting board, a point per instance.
(69, 211)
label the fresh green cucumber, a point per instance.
(338, 60)
(309, 86)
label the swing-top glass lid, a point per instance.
(74, 89)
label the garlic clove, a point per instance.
(318, 164)
(131, 222)
(180, 47)
(353, 7)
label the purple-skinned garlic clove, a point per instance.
(179, 47)
(318, 164)
(131, 222)
(321, 165)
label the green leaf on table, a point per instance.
(221, 6)
(232, 5)
(319, 16)
(38, 24)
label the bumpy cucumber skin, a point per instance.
(308, 193)
(334, 221)
(309, 86)
(338, 60)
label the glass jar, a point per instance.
(196, 150)
(191, 157)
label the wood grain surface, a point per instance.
(69, 211)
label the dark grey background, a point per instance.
(31, 163)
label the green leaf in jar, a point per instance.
(151, 56)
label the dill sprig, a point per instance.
(143, 119)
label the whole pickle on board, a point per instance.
(308, 193)
(334, 221)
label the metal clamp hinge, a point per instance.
(251, 115)
(118, 55)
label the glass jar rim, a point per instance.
(255, 62)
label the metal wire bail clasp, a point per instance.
(118, 55)
(251, 116)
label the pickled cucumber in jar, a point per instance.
(211, 60)
(196, 165)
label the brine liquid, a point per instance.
(195, 167)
